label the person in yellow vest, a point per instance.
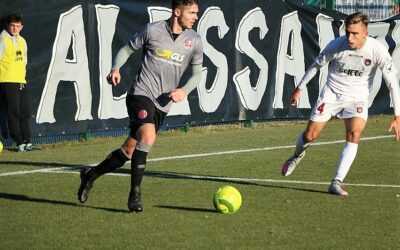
(13, 60)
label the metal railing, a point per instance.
(376, 9)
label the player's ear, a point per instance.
(177, 12)
(366, 31)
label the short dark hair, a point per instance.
(357, 18)
(14, 18)
(177, 3)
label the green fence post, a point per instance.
(84, 136)
(250, 124)
(186, 128)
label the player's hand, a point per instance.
(295, 97)
(396, 126)
(114, 77)
(177, 95)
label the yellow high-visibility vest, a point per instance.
(12, 65)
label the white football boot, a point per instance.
(335, 188)
(291, 164)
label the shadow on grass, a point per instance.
(40, 164)
(189, 209)
(170, 175)
(19, 197)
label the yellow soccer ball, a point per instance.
(227, 200)
(1, 147)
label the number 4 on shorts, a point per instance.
(321, 108)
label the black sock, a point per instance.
(137, 169)
(114, 160)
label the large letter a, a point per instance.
(75, 70)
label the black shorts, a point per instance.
(142, 110)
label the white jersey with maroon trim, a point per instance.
(351, 72)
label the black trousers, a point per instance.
(18, 111)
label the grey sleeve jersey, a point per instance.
(164, 59)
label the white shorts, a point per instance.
(330, 104)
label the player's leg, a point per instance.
(146, 135)
(114, 160)
(305, 138)
(146, 119)
(327, 105)
(25, 107)
(354, 128)
(12, 98)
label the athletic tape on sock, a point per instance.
(143, 147)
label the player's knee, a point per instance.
(353, 136)
(147, 136)
(148, 139)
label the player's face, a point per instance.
(356, 35)
(187, 15)
(14, 28)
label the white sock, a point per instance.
(346, 159)
(300, 145)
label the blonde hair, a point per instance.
(358, 17)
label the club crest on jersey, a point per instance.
(142, 114)
(18, 56)
(187, 44)
(367, 62)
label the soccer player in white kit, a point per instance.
(353, 60)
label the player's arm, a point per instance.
(26, 52)
(389, 73)
(396, 126)
(120, 59)
(322, 59)
(310, 73)
(179, 94)
(2, 47)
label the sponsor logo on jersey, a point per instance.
(355, 55)
(367, 62)
(351, 70)
(168, 54)
(187, 44)
(142, 114)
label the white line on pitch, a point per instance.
(43, 170)
(207, 154)
(244, 180)
(258, 149)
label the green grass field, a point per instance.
(39, 209)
